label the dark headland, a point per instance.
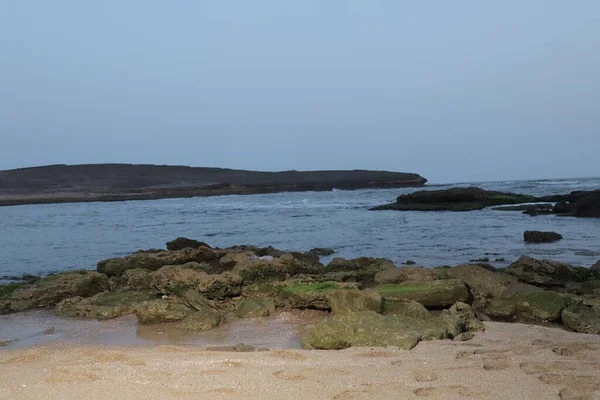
(118, 182)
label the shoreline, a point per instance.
(507, 361)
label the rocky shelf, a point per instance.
(371, 301)
(118, 182)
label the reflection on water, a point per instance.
(281, 330)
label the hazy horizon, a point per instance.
(456, 92)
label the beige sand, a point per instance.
(509, 361)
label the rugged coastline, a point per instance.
(119, 182)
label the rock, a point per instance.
(321, 251)
(309, 295)
(409, 262)
(580, 318)
(365, 268)
(538, 307)
(222, 286)
(49, 291)
(253, 308)
(531, 209)
(541, 237)
(238, 348)
(369, 329)
(466, 315)
(595, 269)
(563, 207)
(454, 199)
(155, 311)
(201, 321)
(200, 303)
(432, 294)
(410, 309)
(137, 279)
(105, 305)
(482, 283)
(176, 279)
(394, 274)
(286, 259)
(346, 301)
(183, 243)
(545, 273)
(154, 260)
(463, 337)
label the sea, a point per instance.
(44, 239)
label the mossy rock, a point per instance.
(353, 300)
(7, 289)
(310, 295)
(252, 308)
(201, 321)
(102, 306)
(535, 307)
(411, 309)
(580, 318)
(432, 294)
(155, 311)
(369, 329)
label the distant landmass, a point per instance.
(117, 182)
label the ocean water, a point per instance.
(41, 239)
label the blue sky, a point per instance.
(455, 91)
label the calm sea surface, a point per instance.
(40, 239)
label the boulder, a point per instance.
(394, 274)
(102, 306)
(201, 321)
(222, 286)
(541, 237)
(536, 307)
(432, 294)
(580, 318)
(252, 308)
(369, 329)
(155, 311)
(200, 303)
(454, 199)
(352, 300)
(49, 291)
(482, 283)
(544, 273)
(364, 268)
(137, 279)
(183, 243)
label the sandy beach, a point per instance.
(508, 361)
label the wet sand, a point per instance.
(509, 361)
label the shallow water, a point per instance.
(281, 330)
(40, 239)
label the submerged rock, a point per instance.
(432, 294)
(321, 251)
(541, 237)
(201, 321)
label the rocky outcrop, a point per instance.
(541, 237)
(482, 282)
(454, 199)
(105, 305)
(321, 251)
(538, 307)
(432, 294)
(394, 274)
(595, 269)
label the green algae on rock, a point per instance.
(433, 294)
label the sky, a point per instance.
(456, 91)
